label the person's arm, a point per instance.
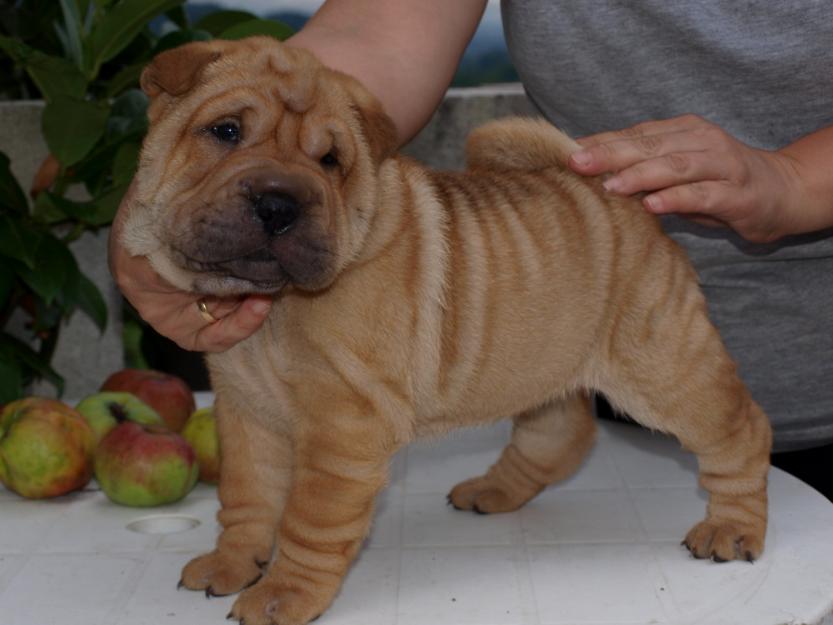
(405, 51)
(691, 167)
(811, 158)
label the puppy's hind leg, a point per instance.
(254, 477)
(670, 371)
(548, 445)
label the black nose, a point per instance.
(277, 211)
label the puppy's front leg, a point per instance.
(340, 466)
(254, 481)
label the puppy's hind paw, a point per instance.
(724, 541)
(483, 496)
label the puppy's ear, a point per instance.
(176, 71)
(380, 132)
(379, 129)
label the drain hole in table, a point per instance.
(163, 524)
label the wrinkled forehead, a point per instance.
(261, 84)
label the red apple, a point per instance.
(46, 448)
(145, 465)
(169, 395)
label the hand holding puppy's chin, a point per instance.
(173, 313)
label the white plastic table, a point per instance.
(601, 548)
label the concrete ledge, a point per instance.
(442, 141)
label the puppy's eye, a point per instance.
(227, 132)
(329, 160)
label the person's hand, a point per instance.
(174, 313)
(691, 167)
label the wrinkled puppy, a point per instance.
(409, 302)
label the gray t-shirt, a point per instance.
(763, 71)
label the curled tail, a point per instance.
(524, 143)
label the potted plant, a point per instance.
(83, 58)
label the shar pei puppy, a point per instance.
(409, 302)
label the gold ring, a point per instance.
(204, 312)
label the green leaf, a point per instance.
(15, 350)
(94, 213)
(124, 165)
(128, 114)
(218, 21)
(49, 204)
(72, 32)
(72, 127)
(107, 204)
(18, 241)
(11, 195)
(95, 169)
(118, 28)
(45, 212)
(178, 38)
(126, 78)
(53, 266)
(7, 278)
(53, 75)
(47, 317)
(132, 331)
(65, 302)
(11, 379)
(251, 28)
(92, 303)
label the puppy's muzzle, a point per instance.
(277, 211)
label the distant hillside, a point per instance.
(485, 60)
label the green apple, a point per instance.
(145, 465)
(46, 448)
(201, 433)
(105, 410)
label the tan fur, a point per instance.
(441, 300)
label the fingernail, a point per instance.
(654, 203)
(581, 158)
(613, 184)
(260, 307)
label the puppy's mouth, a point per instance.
(258, 271)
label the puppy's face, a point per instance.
(258, 170)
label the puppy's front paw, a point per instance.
(724, 540)
(270, 602)
(484, 496)
(221, 573)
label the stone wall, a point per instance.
(441, 142)
(85, 356)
